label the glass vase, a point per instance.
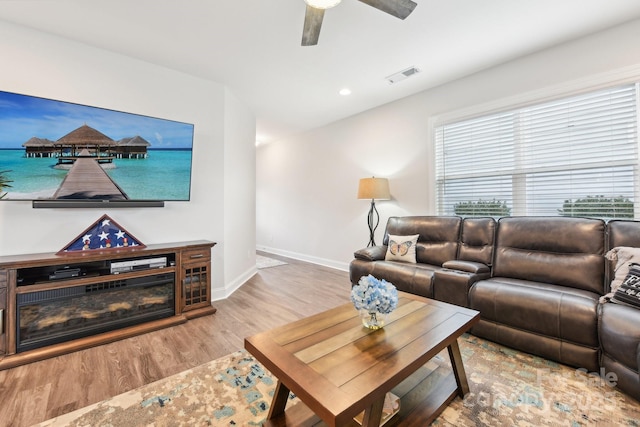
(373, 319)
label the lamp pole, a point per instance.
(373, 216)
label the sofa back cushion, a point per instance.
(438, 240)
(556, 250)
(476, 241)
(622, 233)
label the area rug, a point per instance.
(266, 262)
(507, 388)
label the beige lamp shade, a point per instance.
(374, 188)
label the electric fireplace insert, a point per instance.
(53, 316)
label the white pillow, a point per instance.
(623, 257)
(402, 248)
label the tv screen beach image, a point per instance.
(55, 150)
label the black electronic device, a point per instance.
(65, 273)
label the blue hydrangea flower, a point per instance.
(374, 295)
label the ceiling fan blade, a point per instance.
(398, 8)
(312, 24)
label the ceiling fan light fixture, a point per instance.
(314, 14)
(322, 4)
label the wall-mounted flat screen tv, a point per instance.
(61, 154)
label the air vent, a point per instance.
(402, 75)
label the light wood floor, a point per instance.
(274, 296)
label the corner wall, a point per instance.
(38, 64)
(307, 184)
(239, 202)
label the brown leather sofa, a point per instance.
(536, 281)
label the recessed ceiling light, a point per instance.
(345, 92)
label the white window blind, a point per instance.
(576, 156)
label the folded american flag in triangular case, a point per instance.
(104, 234)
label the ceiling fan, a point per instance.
(315, 13)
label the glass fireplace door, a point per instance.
(52, 316)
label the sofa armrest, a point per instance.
(374, 253)
(467, 266)
(453, 286)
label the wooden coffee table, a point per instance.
(338, 368)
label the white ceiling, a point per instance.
(253, 46)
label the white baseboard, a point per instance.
(307, 258)
(219, 294)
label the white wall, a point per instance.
(239, 201)
(34, 63)
(306, 191)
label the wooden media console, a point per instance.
(54, 304)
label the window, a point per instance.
(576, 156)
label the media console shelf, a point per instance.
(55, 304)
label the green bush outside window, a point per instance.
(598, 207)
(494, 208)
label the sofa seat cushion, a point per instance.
(413, 278)
(567, 314)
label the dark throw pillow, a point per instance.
(628, 293)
